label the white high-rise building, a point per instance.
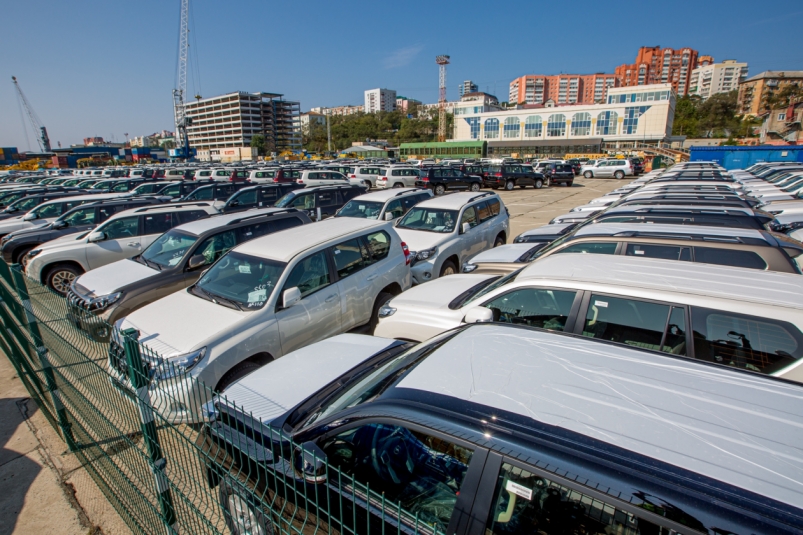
(380, 100)
(717, 78)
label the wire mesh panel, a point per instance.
(169, 453)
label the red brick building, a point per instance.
(656, 65)
(561, 88)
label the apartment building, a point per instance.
(311, 118)
(561, 88)
(338, 110)
(467, 87)
(656, 65)
(713, 78)
(231, 120)
(380, 100)
(754, 92)
(405, 104)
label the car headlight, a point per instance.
(468, 268)
(426, 254)
(177, 365)
(33, 253)
(99, 303)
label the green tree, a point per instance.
(258, 142)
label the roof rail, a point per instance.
(410, 191)
(174, 205)
(255, 216)
(481, 195)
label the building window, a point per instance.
(632, 114)
(581, 124)
(782, 116)
(474, 125)
(512, 127)
(556, 125)
(533, 126)
(606, 123)
(491, 128)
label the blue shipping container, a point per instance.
(739, 157)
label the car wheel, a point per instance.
(20, 256)
(448, 268)
(509, 185)
(381, 299)
(538, 183)
(61, 276)
(619, 175)
(368, 184)
(243, 516)
(588, 174)
(236, 373)
(474, 187)
(439, 189)
(398, 185)
(569, 183)
(500, 240)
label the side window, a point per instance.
(203, 194)
(190, 215)
(310, 275)
(216, 246)
(326, 198)
(726, 257)
(123, 186)
(547, 309)
(51, 210)
(525, 503)
(255, 230)
(636, 323)
(303, 202)
(591, 248)
(746, 342)
(378, 245)
(484, 211)
(424, 474)
(84, 216)
(246, 198)
(666, 252)
(350, 257)
(125, 227)
(268, 196)
(494, 205)
(469, 216)
(158, 223)
(285, 223)
(395, 208)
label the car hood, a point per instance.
(17, 223)
(418, 240)
(268, 394)
(68, 240)
(439, 292)
(112, 277)
(180, 322)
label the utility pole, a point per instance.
(442, 62)
(328, 134)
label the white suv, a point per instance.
(446, 231)
(368, 174)
(126, 234)
(617, 168)
(397, 177)
(324, 177)
(384, 205)
(265, 298)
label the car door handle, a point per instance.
(372, 277)
(133, 244)
(331, 298)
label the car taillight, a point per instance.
(353, 176)
(498, 175)
(424, 178)
(275, 179)
(300, 181)
(383, 178)
(406, 253)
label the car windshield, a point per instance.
(429, 219)
(81, 216)
(23, 204)
(240, 281)
(364, 209)
(484, 290)
(169, 249)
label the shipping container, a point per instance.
(742, 157)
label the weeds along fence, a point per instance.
(138, 426)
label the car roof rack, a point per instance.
(481, 195)
(176, 205)
(414, 190)
(257, 216)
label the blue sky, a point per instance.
(102, 68)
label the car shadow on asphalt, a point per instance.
(17, 470)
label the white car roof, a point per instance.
(200, 226)
(736, 428)
(509, 252)
(387, 194)
(713, 207)
(556, 228)
(167, 207)
(93, 197)
(612, 229)
(454, 201)
(284, 246)
(724, 282)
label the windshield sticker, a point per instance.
(258, 296)
(244, 268)
(603, 304)
(519, 490)
(639, 252)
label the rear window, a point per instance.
(494, 168)
(729, 257)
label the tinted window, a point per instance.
(105, 212)
(189, 215)
(302, 202)
(420, 472)
(202, 194)
(255, 230)
(216, 246)
(547, 309)
(326, 198)
(469, 216)
(632, 322)
(729, 257)
(350, 257)
(747, 342)
(666, 252)
(591, 248)
(494, 205)
(378, 244)
(285, 223)
(125, 227)
(84, 216)
(246, 198)
(395, 208)
(268, 195)
(159, 223)
(484, 211)
(309, 275)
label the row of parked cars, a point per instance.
(649, 382)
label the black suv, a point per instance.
(82, 218)
(178, 190)
(510, 175)
(441, 178)
(260, 196)
(320, 202)
(559, 173)
(119, 186)
(576, 165)
(638, 166)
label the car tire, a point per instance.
(509, 185)
(448, 268)
(500, 240)
(381, 299)
(368, 185)
(439, 190)
(569, 183)
(236, 373)
(538, 183)
(60, 276)
(398, 185)
(19, 257)
(588, 174)
(242, 514)
(619, 175)
(474, 187)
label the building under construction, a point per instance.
(231, 120)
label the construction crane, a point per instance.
(44, 141)
(182, 121)
(442, 62)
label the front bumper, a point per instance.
(423, 271)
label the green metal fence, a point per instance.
(147, 447)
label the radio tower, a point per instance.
(442, 62)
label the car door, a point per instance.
(326, 203)
(460, 180)
(474, 240)
(351, 259)
(122, 240)
(243, 200)
(603, 170)
(317, 315)
(267, 196)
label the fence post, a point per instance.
(44, 357)
(139, 381)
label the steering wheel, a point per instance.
(392, 460)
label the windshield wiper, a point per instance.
(150, 263)
(215, 298)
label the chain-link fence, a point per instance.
(144, 431)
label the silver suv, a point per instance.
(384, 205)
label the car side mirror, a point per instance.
(465, 227)
(310, 463)
(59, 224)
(196, 261)
(96, 236)
(479, 315)
(234, 203)
(290, 297)
(29, 217)
(388, 216)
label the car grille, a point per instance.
(118, 361)
(76, 301)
